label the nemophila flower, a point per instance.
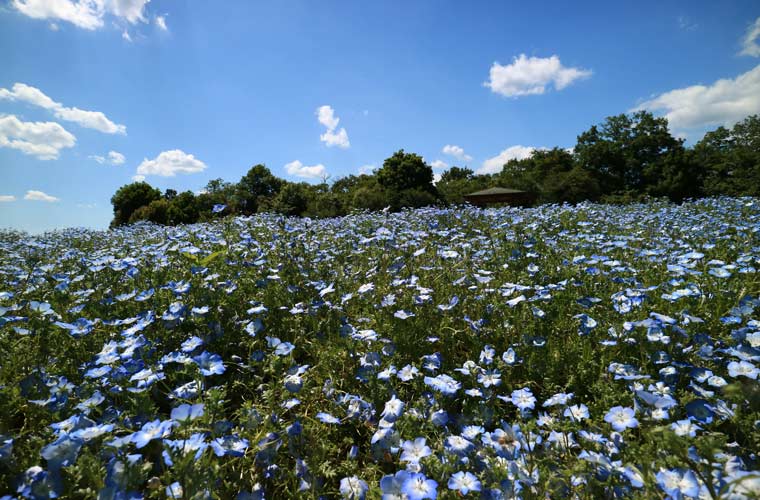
(280, 348)
(576, 413)
(678, 483)
(685, 428)
(523, 399)
(490, 378)
(510, 357)
(391, 484)
(621, 418)
(353, 488)
(700, 411)
(401, 314)
(293, 382)
(254, 327)
(191, 344)
(393, 409)
(414, 451)
(326, 418)
(407, 373)
(209, 364)
(444, 384)
(487, 355)
(464, 482)
(387, 373)
(233, 446)
(418, 487)
(218, 208)
(186, 412)
(367, 287)
(62, 452)
(155, 429)
(558, 399)
(742, 369)
(175, 490)
(458, 445)
(92, 432)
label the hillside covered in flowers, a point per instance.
(589, 351)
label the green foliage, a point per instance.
(257, 185)
(625, 159)
(404, 171)
(129, 198)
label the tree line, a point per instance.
(626, 158)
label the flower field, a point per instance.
(558, 352)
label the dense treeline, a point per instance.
(625, 158)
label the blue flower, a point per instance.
(186, 412)
(209, 364)
(353, 488)
(464, 482)
(218, 208)
(621, 418)
(418, 487)
(150, 431)
(326, 418)
(415, 450)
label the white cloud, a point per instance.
(114, 158)
(531, 75)
(456, 152)
(131, 10)
(298, 169)
(439, 165)
(125, 36)
(340, 139)
(161, 23)
(39, 196)
(495, 164)
(171, 163)
(89, 119)
(7, 198)
(86, 14)
(750, 47)
(326, 116)
(44, 140)
(725, 102)
(138, 178)
(366, 169)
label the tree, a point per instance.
(292, 199)
(156, 211)
(404, 171)
(255, 186)
(129, 198)
(626, 152)
(183, 209)
(730, 159)
(456, 174)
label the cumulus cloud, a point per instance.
(171, 163)
(7, 198)
(331, 137)
(88, 119)
(725, 102)
(39, 196)
(86, 14)
(138, 178)
(161, 23)
(113, 158)
(439, 165)
(456, 152)
(495, 164)
(750, 47)
(44, 140)
(298, 169)
(531, 75)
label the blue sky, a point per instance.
(183, 92)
